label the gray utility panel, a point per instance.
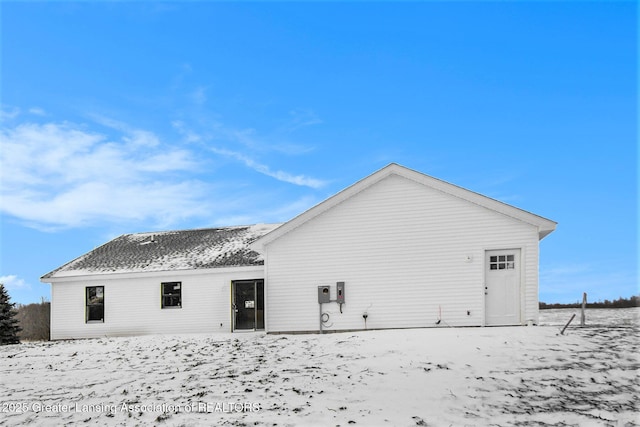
(324, 294)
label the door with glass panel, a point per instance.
(502, 287)
(247, 305)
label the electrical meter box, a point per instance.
(324, 294)
(340, 292)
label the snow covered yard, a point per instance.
(437, 376)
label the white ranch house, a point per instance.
(398, 249)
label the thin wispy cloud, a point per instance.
(246, 142)
(301, 180)
(61, 175)
(199, 95)
(301, 118)
(196, 122)
(188, 134)
(281, 139)
(37, 111)
(8, 113)
(130, 135)
(250, 139)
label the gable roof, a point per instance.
(544, 225)
(170, 250)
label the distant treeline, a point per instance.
(34, 321)
(633, 301)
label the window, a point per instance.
(502, 262)
(171, 294)
(95, 304)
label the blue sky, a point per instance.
(140, 116)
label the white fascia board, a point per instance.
(79, 276)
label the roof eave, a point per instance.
(544, 232)
(102, 275)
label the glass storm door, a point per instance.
(502, 287)
(248, 305)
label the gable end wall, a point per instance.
(407, 253)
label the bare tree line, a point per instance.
(633, 301)
(34, 321)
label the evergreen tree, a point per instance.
(8, 322)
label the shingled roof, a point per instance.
(170, 250)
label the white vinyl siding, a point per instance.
(406, 253)
(133, 303)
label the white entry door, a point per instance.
(502, 287)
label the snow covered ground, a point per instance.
(593, 317)
(438, 376)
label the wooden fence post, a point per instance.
(565, 326)
(584, 306)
